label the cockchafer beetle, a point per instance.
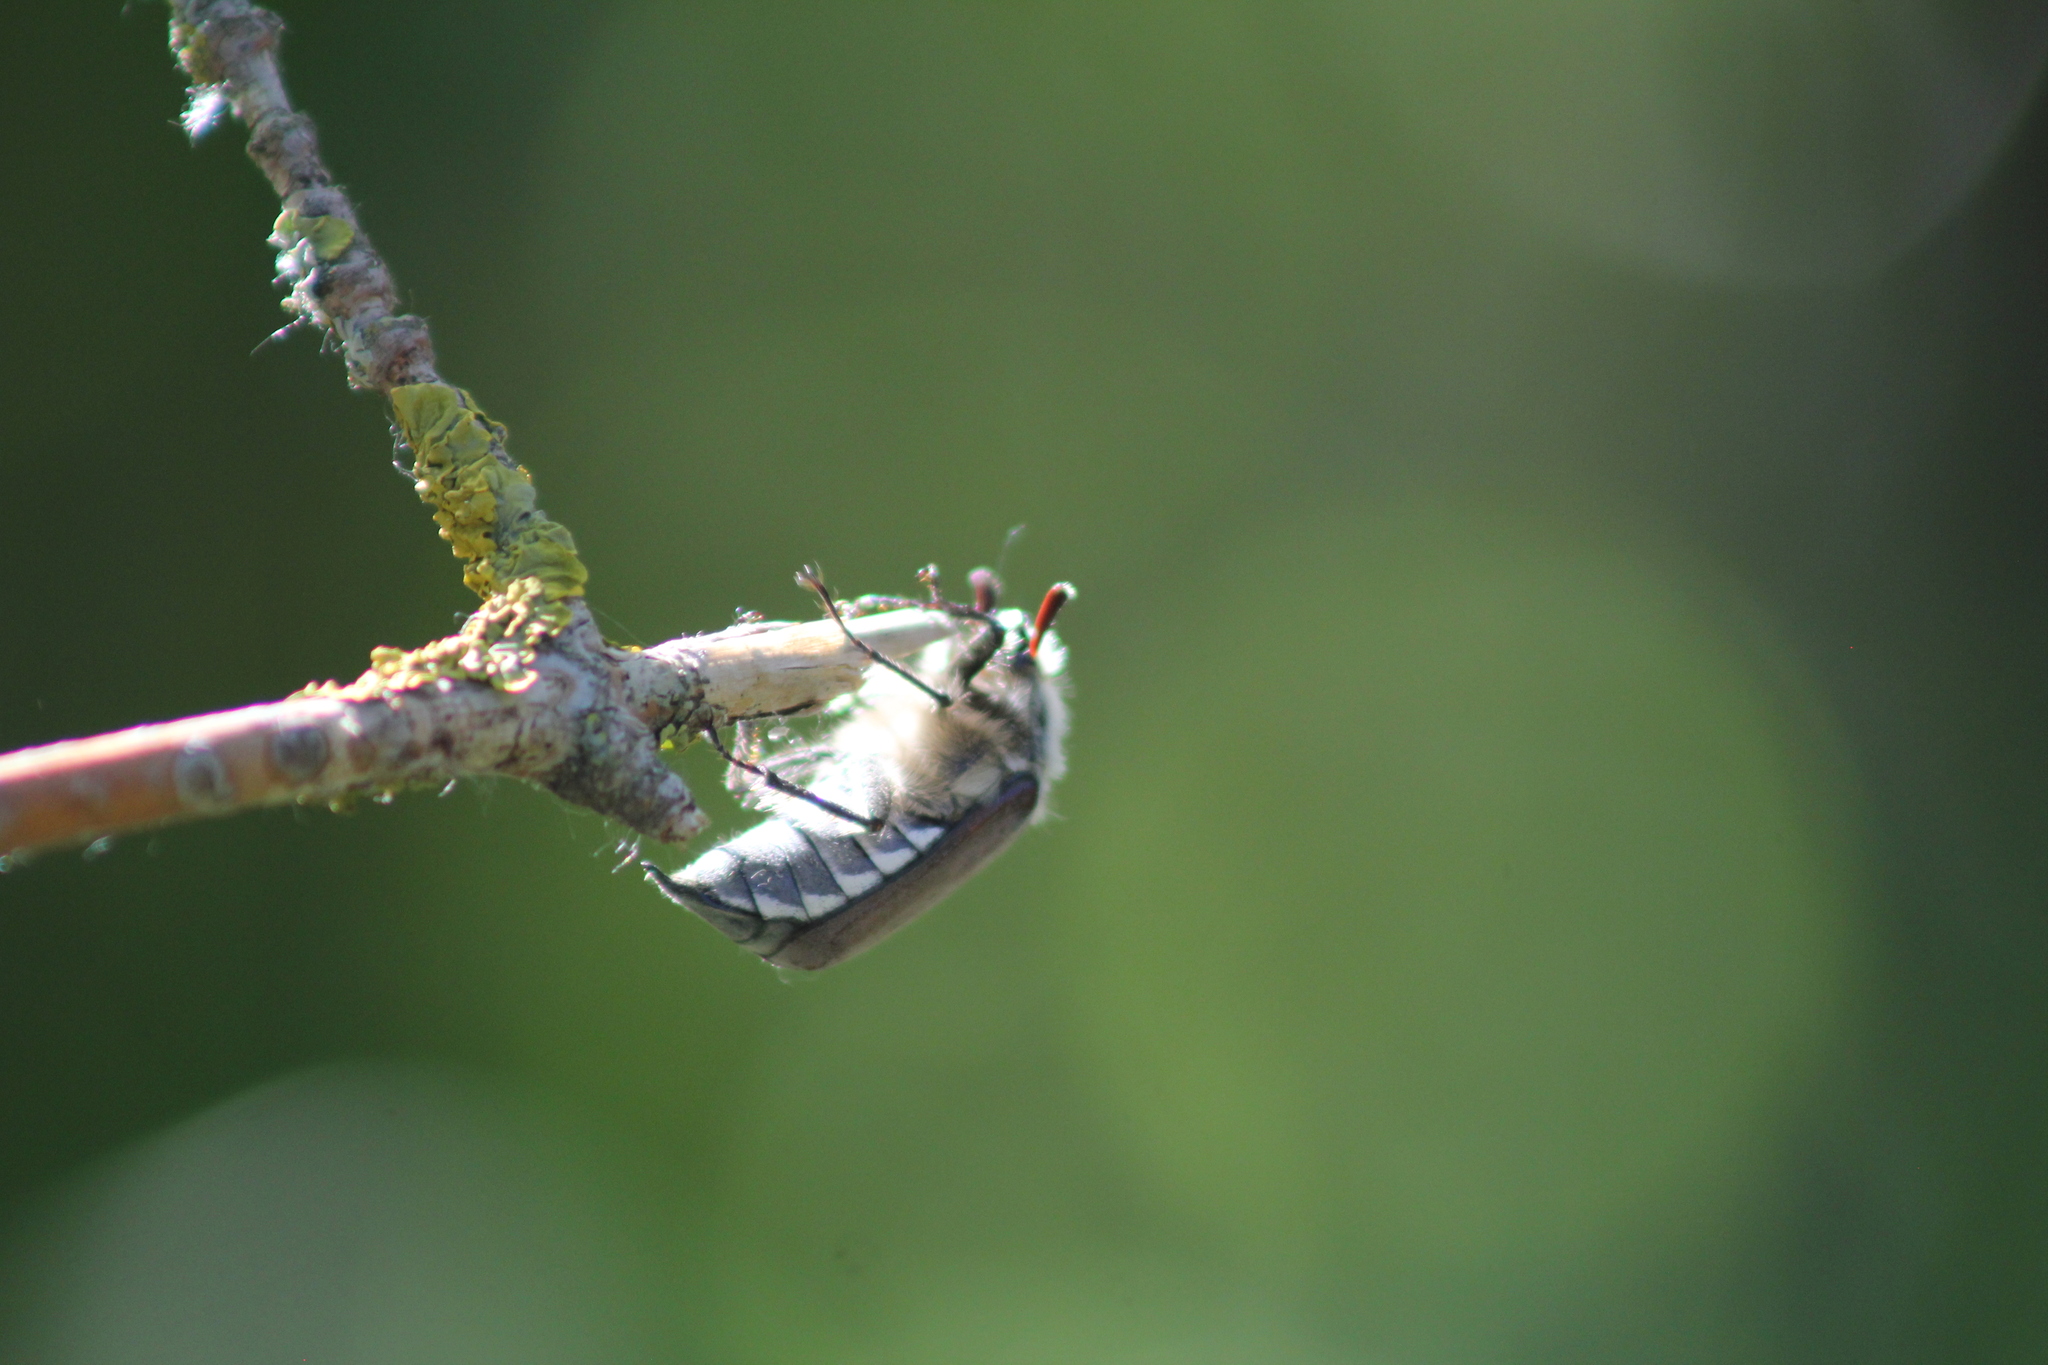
(931, 769)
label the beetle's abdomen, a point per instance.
(802, 895)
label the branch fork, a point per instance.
(529, 688)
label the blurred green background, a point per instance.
(1552, 869)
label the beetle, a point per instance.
(932, 770)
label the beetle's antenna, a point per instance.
(988, 589)
(1057, 597)
(787, 788)
(809, 578)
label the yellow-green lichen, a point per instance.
(523, 565)
(194, 52)
(495, 646)
(485, 505)
(327, 235)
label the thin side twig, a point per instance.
(229, 49)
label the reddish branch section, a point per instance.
(155, 774)
(586, 726)
(308, 750)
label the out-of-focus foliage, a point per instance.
(1552, 865)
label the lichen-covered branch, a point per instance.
(528, 688)
(520, 562)
(560, 730)
(229, 49)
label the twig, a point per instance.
(328, 748)
(484, 501)
(528, 688)
(229, 49)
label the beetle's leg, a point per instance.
(987, 639)
(871, 603)
(788, 788)
(809, 578)
(979, 651)
(740, 780)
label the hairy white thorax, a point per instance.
(893, 750)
